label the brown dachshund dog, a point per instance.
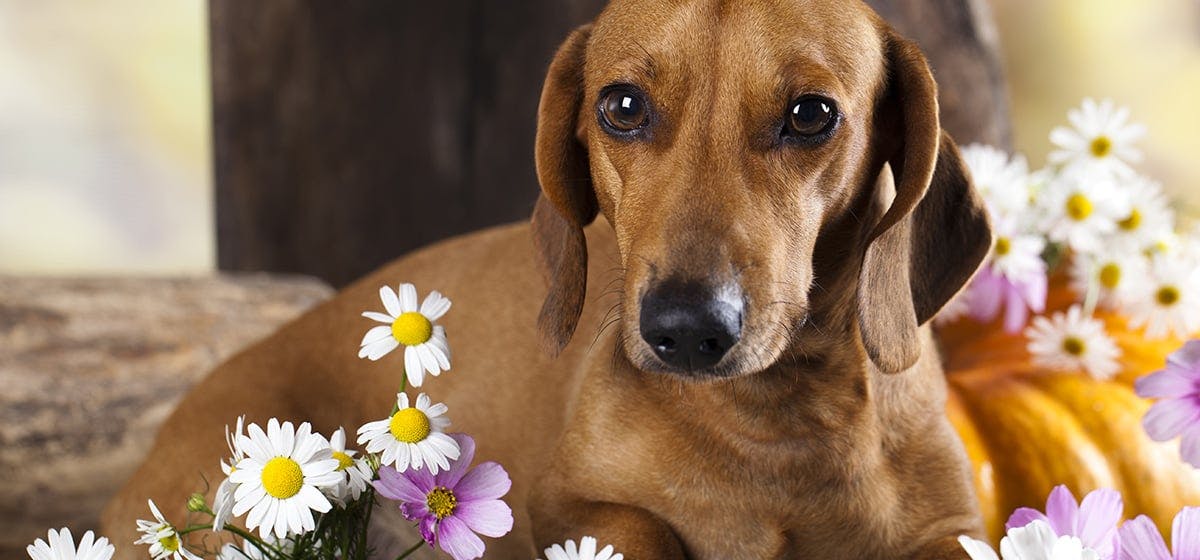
(750, 375)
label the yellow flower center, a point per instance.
(344, 460)
(1133, 222)
(409, 425)
(282, 478)
(1110, 276)
(441, 501)
(1167, 295)
(1003, 246)
(1101, 146)
(1079, 207)
(1074, 346)
(412, 328)
(170, 542)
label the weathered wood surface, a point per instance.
(348, 133)
(90, 368)
(960, 40)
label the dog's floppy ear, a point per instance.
(935, 233)
(567, 202)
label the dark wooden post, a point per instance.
(347, 133)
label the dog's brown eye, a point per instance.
(811, 117)
(623, 109)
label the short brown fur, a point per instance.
(821, 434)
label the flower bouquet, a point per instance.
(302, 496)
(1089, 284)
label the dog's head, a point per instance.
(767, 166)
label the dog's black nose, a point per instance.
(687, 326)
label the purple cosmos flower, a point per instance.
(990, 291)
(1094, 521)
(1140, 539)
(1178, 410)
(454, 504)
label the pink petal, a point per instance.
(1140, 540)
(395, 486)
(423, 479)
(427, 527)
(1024, 516)
(1062, 510)
(1189, 447)
(491, 518)
(1167, 383)
(418, 510)
(1188, 357)
(458, 468)
(1169, 417)
(1185, 534)
(454, 537)
(488, 481)
(1015, 312)
(1033, 291)
(1099, 514)
(986, 296)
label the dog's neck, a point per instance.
(801, 397)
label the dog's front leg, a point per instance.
(632, 531)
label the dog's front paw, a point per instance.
(634, 532)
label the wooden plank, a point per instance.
(349, 133)
(89, 369)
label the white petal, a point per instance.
(435, 306)
(412, 367)
(428, 362)
(313, 499)
(376, 334)
(390, 301)
(382, 348)
(408, 298)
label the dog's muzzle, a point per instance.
(689, 326)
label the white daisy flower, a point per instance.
(1071, 341)
(62, 547)
(1036, 541)
(425, 347)
(586, 551)
(1015, 254)
(163, 539)
(1080, 209)
(412, 437)
(1148, 218)
(223, 501)
(1002, 181)
(1170, 301)
(1115, 277)
(280, 480)
(1167, 244)
(1101, 138)
(356, 473)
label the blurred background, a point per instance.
(105, 118)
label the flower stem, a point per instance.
(192, 529)
(264, 547)
(409, 552)
(1092, 297)
(403, 387)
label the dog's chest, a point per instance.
(814, 514)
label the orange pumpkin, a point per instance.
(1027, 429)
